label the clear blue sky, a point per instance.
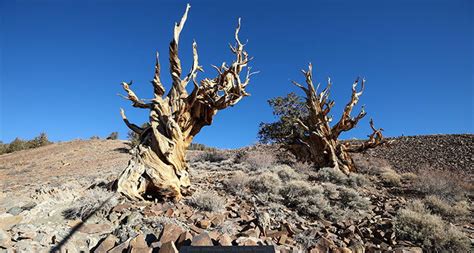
(62, 61)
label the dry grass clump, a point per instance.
(327, 200)
(236, 183)
(212, 156)
(352, 199)
(305, 198)
(443, 184)
(409, 176)
(94, 202)
(207, 201)
(417, 224)
(390, 177)
(369, 165)
(286, 173)
(332, 175)
(256, 159)
(450, 211)
(266, 182)
(338, 177)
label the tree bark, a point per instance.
(320, 144)
(158, 167)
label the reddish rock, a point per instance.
(169, 212)
(171, 232)
(248, 241)
(196, 229)
(205, 224)
(121, 247)
(168, 247)
(184, 239)
(139, 245)
(217, 220)
(202, 239)
(107, 244)
(225, 240)
(154, 210)
(214, 235)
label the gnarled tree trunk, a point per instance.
(320, 144)
(158, 166)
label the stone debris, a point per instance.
(166, 227)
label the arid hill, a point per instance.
(56, 196)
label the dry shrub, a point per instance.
(266, 182)
(417, 224)
(352, 198)
(305, 198)
(94, 202)
(207, 201)
(236, 183)
(450, 211)
(356, 179)
(390, 177)
(444, 184)
(369, 165)
(338, 177)
(330, 190)
(409, 176)
(256, 159)
(213, 156)
(332, 175)
(286, 173)
(328, 200)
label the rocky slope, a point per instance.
(56, 198)
(411, 153)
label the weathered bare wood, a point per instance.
(320, 143)
(158, 166)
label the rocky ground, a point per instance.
(55, 198)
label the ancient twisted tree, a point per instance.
(158, 165)
(304, 126)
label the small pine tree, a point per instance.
(39, 141)
(113, 136)
(16, 145)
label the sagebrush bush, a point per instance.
(338, 177)
(370, 165)
(286, 173)
(200, 147)
(256, 160)
(236, 183)
(356, 179)
(390, 177)
(444, 184)
(207, 201)
(332, 175)
(409, 176)
(93, 202)
(351, 198)
(451, 211)
(417, 224)
(266, 182)
(305, 198)
(213, 156)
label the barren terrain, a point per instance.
(56, 197)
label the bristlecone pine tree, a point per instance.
(304, 126)
(158, 167)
